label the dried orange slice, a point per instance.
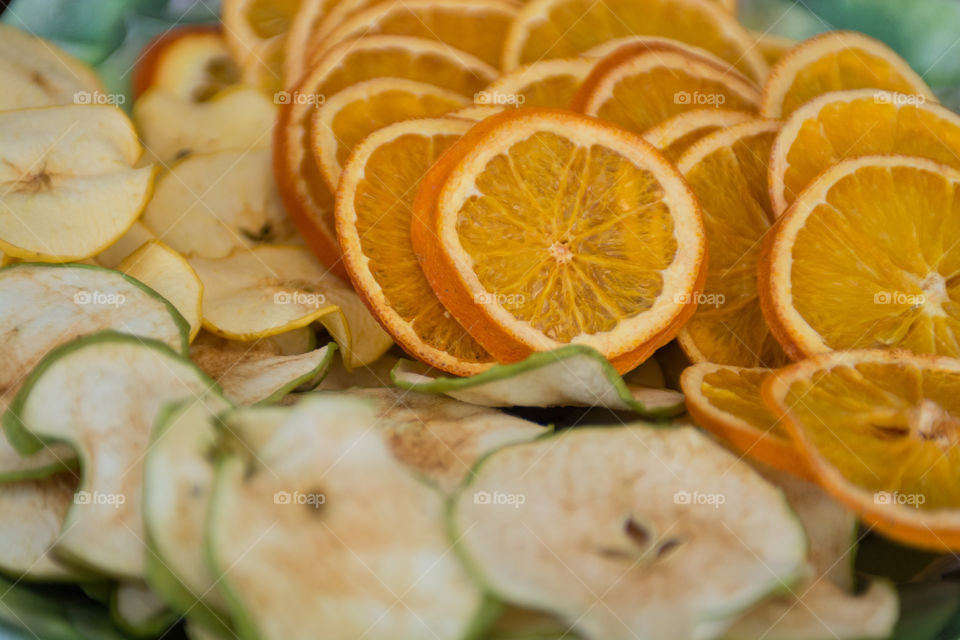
(306, 195)
(297, 49)
(341, 122)
(192, 62)
(476, 112)
(675, 136)
(555, 228)
(374, 210)
(836, 61)
(847, 124)
(640, 85)
(559, 28)
(772, 46)
(879, 430)
(867, 258)
(548, 83)
(248, 24)
(727, 402)
(475, 26)
(726, 171)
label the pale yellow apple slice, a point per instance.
(136, 609)
(169, 274)
(210, 204)
(129, 242)
(68, 189)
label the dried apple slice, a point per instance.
(129, 242)
(191, 61)
(572, 376)
(169, 274)
(138, 611)
(107, 419)
(308, 546)
(69, 186)
(651, 547)
(213, 203)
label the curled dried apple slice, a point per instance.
(283, 534)
(107, 419)
(576, 376)
(651, 547)
(69, 186)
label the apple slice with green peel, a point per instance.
(210, 204)
(70, 189)
(129, 242)
(575, 375)
(169, 274)
(43, 306)
(630, 533)
(321, 533)
(137, 610)
(101, 394)
(516, 623)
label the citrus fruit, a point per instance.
(548, 83)
(673, 137)
(865, 258)
(476, 112)
(726, 171)
(727, 402)
(342, 121)
(553, 228)
(772, 46)
(640, 85)
(307, 198)
(193, 62)
(248, 24)
(836, 61)
(373, 216)
(877, 430)
(297, 50)
(847, 124)
(560, 28)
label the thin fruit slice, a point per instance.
(375, 375)
(548, 83)
(69, 186)
(641, 85)
(673, 137)
(307, 197)
(555, 228)
(283, 534)
(866, 259)
(476, 112)
(651, 547)
(848, 124)
(264, 69)
(297, 49)
(516, 623)
(836, 61)
(129, 242)
(341, 122)
(333, 18)
(169, 274)
(477, 27)
(191, 62)
(877, 428)
(210, 204)
(249, 24)
(558, 28)
(106, 418)
(726, 401)
(772, 46)
(373, 215)
(139, 612)
(570, 376)
(726, 171)
(173, 127)
(35, 73)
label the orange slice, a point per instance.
(191, 62)
(338, 13)
(475, 26)
(675, 136)
(305, 193)
(867, 257)
(772, 46)
(341, 122)
(548, 83)
(726, 171)
(248, 24)
(560, 28)
(836, 61)
(297, 48)
(374, 210)
(879, 430)
(727, 402)
(643, 84)
(555, 228)
(476, 112)
(847, 124)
